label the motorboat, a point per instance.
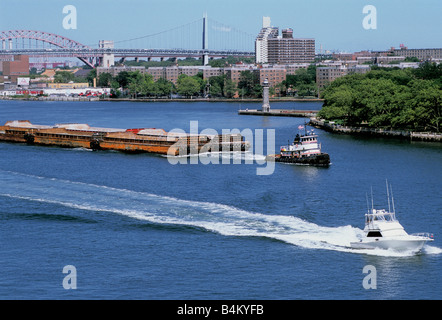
(383, 231)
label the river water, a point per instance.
(140, 227)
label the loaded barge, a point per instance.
(138, 140)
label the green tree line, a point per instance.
(137, 84)
(134, 83)
(387, 98)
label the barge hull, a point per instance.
(126, 140)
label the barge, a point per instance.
(137, 140)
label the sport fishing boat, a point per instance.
(382, 230)
(305, 149)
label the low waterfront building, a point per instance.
(114, 71)
(71, 85)
(15, 68)
(326, 75)
(272, 76)
(389, 59)
(292, 68)
(421, 54)
(172, 73)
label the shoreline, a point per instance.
(334, 128)
(377, 132)
(230, 100)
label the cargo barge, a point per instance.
(137, 140)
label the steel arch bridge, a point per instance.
(51, 38)
(66, 47)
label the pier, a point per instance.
(267, 111)
(279, 113)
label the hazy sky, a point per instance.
(335, 24)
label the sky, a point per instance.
(336, 25)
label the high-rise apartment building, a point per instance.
(272, 48)
(261, 42)
(287, 49)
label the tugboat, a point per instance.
(305, 149)
(383, 231)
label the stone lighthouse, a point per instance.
(265, 96)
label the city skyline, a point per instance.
(336, 26)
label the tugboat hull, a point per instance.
(322, 159)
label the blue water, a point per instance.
(138, 227)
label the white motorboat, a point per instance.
(382, 230)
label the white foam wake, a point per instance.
(223, 219)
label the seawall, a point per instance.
(377, 132)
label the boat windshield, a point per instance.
(380, 215)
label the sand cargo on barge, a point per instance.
(138, 140)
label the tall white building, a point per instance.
(261, 44)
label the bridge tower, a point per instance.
(205, 41)
(108, 59)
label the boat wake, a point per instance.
(229, 155)
(214, 217)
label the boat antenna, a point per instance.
(392, 199)
(372, 199)
(368, 208)
(388, 196)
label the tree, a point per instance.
(165, 87)
(105, 80)
(123, 79)
(136, 83)
(303, 81)
(230, 88)
(248, 81)
(187, 86)
(428, 71)
(386, 98)
(63, 77)
(427, 104)
(91, 76)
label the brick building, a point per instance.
(18, 67)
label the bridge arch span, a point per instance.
(54, 39)
(51, 38)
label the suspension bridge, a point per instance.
(203, 38)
